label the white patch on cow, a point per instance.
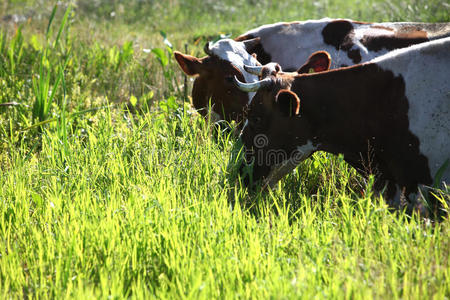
(290, 44)
(306, 150)
(235, 53)
(425, 70)
(279, 171)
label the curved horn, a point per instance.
(255, 70)
(207, 48)
(251, 44)
(252, 87)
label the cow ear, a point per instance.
(318, 62)
(189, 64)
(288, 103)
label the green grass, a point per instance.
(118, 190)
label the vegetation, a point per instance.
(111, 186)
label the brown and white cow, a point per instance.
(392, 114)
(289, 44)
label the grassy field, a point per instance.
(112, 187)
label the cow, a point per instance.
(289, 44)
(348, 42)
(390, 115)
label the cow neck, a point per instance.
(327, 100)
(362, 113)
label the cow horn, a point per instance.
(207, 48)
(251, 44)
(251, 87)
(255, 70)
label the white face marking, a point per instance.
(306, 150)
(235, 53)
(282, 169)
(424, 68)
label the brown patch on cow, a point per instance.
(417, 34)
(412, 29)
(293, 23)
(340, 34)
(263, 56)
(244, 37)
(398, 40)
(362, 22)
(382, 27)
(434, 30)
(354, 55)
(370, 120)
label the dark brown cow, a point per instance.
(391, 113)
(289, 44)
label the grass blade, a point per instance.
(63, 24)
(50, 20)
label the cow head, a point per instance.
(224, 59)
(278, 134)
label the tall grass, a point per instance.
(115, 188)
(142, 206)
(44, 91)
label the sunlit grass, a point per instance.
(121, 191)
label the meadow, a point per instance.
(112, 187)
